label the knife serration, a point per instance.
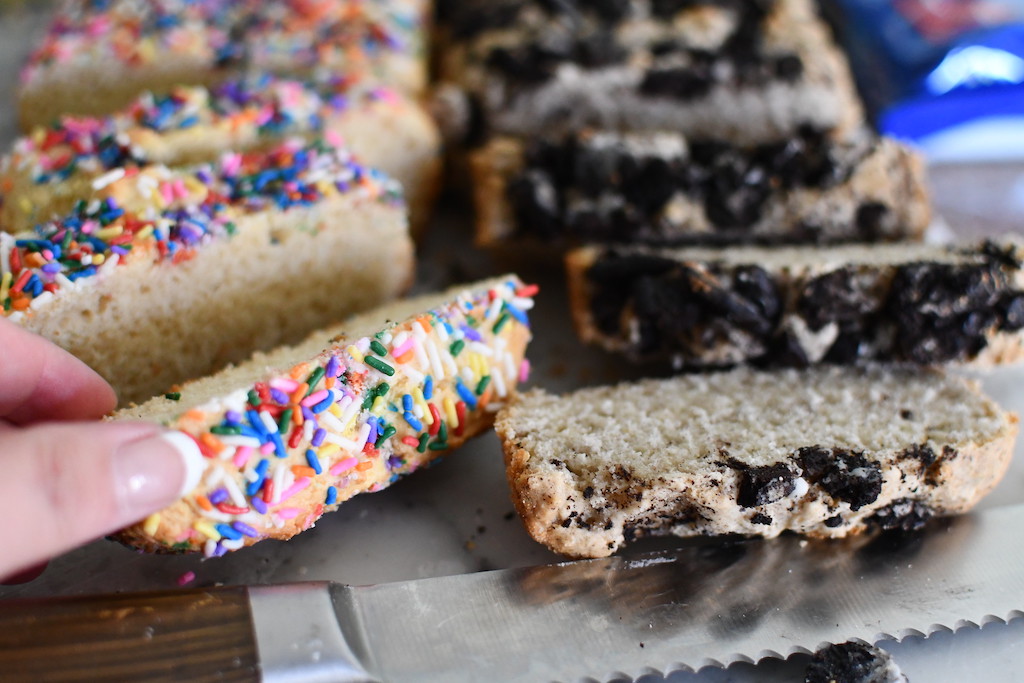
(710, 603)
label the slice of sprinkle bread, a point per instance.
(825, 451)
(905, 303)
(167, 275)
(663, 188)
(99, 55)
(748, 71)
(291, 434)
(52, 167)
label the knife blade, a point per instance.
(709, 603)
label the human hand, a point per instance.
(65, 477)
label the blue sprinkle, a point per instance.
(219, 496)
(249, 431)
(227, 532)
(245, 529)
(258, 505)
(465, 394)
(428, 388)
(470, 333)
(517, 314)
(407, 403)
(219, 550)
(324, 404)
(332, 496)
(318, 437)
(279, 448)
(256, 423)
(279, 397)
(333, 366)
(413, 422)
(314, 461)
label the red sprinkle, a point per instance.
(410, 441)
(231, 509)
(460, 410)
(296, 437)
(268, 490)
(22, 280)
(435, 427)
(527, 291)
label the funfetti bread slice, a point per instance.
(54, 166)
(165, 275)
(291, 434)
(706, 307)
(98, 56)
(825, 451)
(666, 188)
(747, 71)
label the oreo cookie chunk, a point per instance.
(663, 188)
(799, 306)
(745, 70)
(853, 663)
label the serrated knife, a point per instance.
(705, 603)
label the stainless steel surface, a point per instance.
(299, 635)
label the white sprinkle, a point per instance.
(499, 383)
(232, 544)
(328, 421)
(41, 300)
(235, 492)
(215, 515)
(108, 178)
(364, 435)
(348, 412)
(279, 471)
(307, 430)
(420, 354)
(492, 312)
(227, 454)
(522, 304)
(239, 440)
(214, 477)
(481, 348)
(345, 444)
(209, 548)
(268, 422)
(110, 264)
(435, 360)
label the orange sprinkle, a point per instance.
(363, 466)
(303, 471)
(329, 382)
(21, 303)
(194, 415)
(204, 502)
(297, 418)
(405, 357)
(35, 260)
(212, 442)
(299, 393)
(298, 371)
(486, 398)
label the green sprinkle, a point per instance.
(438, 446)
(502, 321)
(382, 389)
(457, 346)
(286, 418)
(368, 401)
(173, 395)
(378, 348)
(380, 365)
(181, 545)
(424, 438)
(314, 379)
(442, 432)
(481, 386)
(230, 228)
(254, 398)
(385, 435)
(225, 430)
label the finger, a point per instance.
(66, 484)
(41, 381)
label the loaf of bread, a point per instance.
(663, 188)
(167, 275)
(51, 168)
(99, 56)
(707, 307)
(291, 434)
(747, 71)
(824, 451)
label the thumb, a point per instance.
(66, 484)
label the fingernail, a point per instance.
(154, 472)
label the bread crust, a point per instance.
(552, 500)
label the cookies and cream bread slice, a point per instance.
(748, 71)
(666, 188)
(98, 56)
(52, 167)
(825, 451)
(167, 275)
(706, 307)
(291, 434)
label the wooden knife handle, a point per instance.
(189, 635)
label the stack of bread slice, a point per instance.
(727, 206)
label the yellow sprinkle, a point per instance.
(334, 410)
(417, 396)
(110, 231)
(151, 524)
(354, 352)
(449, 412)
(145, 233)
(378, 405)
(26, 205)
(5, 285)
(327, 450)
(98, 259)
(206, 529)
(326, 188)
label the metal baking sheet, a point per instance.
(456, 517)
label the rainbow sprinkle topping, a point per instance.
(286, 35)
(166, 216)
(294, 445)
